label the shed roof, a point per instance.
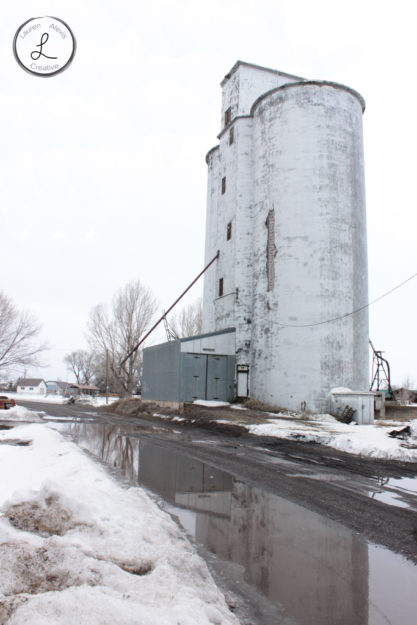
(59, 383)
(84, 387)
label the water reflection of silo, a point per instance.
(314, 569)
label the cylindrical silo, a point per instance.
(309, 245)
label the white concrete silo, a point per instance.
(309, 242)
(295, 201)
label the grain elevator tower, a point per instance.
(286, 210)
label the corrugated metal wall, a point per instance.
(171, 375)
(161, 372)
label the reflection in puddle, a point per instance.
(393, 499)
(399, 492)
(313, 570)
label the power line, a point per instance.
(353, 312)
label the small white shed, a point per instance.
(357, 405)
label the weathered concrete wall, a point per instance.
(308, 170)
(233, 161)
(211, 276)
(245, 83)
(234, 266)
(294, 196)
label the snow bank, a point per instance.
(364, 440)
(96, 401)
(47, 399)
(59, 399)
(19, 413)
(76, 547)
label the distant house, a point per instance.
(57, 387)
(82, 389)
(32, 386)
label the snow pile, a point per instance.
(364, 440)
(95, 401)
(210, 403)
(19, 413)
(76, 547)
(59, 399)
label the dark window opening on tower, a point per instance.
(229, 231)
(220, 287)
(223, 185)
(231, 136)
(228, 116)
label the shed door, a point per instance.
(193, 378)
(206, 376)
(217, 382)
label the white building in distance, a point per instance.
(286, 211)
(34, 386)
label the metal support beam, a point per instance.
(381, 373)
(169, 310)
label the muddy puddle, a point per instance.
(292, 565)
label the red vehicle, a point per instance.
(6, 403)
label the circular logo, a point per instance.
(44, 46)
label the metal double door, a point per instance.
(206, 376)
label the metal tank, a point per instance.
(309, 245)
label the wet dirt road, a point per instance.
(263, 513)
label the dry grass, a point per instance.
(255, 411)
(134, 407)
(45, 520)
(255, 404)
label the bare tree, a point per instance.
(18, 337)
(189, 321)
(119, 329)
(82, 364)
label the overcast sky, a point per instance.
(103, 178)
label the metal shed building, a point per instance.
(187, 369)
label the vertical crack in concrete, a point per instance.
(271, 250)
